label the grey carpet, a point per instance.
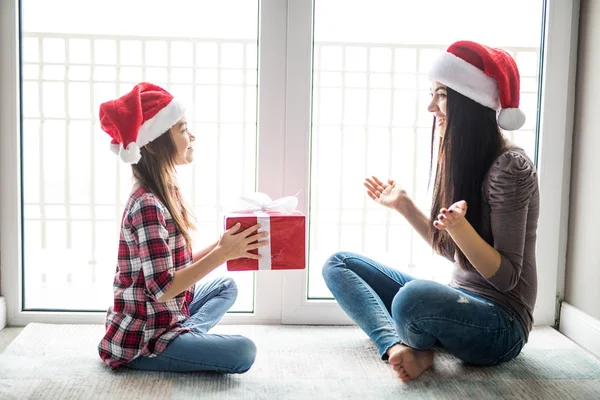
(293, 362)
(7, 335)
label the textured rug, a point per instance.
(293, 362)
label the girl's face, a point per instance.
(437, 106)
(183, 140)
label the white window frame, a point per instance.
(285, 57)
(271, 125)
(554, 156)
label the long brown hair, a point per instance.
(156, 172)
(471, 143)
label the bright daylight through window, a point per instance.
(369, 117)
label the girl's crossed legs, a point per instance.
(198, 350)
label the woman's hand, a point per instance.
(452, 217)
(388, 194)
(234, 244)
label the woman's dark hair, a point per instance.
(470, 144)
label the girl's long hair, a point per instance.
(156, 172)
(471, 143)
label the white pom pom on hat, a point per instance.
(137, 118)
(511, 119)
(131, 154)
(486, 75)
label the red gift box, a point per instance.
(287, 240)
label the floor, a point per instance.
(46, 361)
(7, 335)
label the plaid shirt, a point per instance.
(150, 251)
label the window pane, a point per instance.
(74, 187)
(370, 94)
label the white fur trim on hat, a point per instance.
(131, 154)
(466, 79)
(160, 123)
(511, 119)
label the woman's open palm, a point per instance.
(388, 194)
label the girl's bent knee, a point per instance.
(228, 287)
(246, 354)
(229, 283)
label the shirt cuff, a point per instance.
(159, 284)
(501, 280)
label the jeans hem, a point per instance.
(383, 349)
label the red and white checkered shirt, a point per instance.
(150, 251)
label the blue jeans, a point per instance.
(392, 307)
(199, 350)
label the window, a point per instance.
(74, 188)
(369, 117)
(284, 97)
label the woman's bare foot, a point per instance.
(409, 363)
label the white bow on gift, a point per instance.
(262, 202)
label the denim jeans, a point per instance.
(198, 350)
(392, 307)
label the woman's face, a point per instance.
(437, 106)
(183, 140)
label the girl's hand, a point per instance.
(234, 244)
(388, 194)
(451, 217)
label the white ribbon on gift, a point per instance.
(262, 202)
(259, 203)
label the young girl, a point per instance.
(159, 319)
(484, 218)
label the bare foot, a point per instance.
(409, 363)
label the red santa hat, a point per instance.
(137, 118)
(486, 75)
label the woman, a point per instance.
(160, 318)
(484, 218)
